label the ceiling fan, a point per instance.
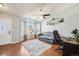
(44, 15)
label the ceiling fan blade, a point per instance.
(46, 15)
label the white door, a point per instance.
(5, 32)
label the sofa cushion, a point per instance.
(46, 37)
(50, 38)
(48, 34)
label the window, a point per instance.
(30, 27)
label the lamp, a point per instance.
(1, 5)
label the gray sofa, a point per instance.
(47, 37)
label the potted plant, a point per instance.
(76, 34)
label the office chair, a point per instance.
(57, 40)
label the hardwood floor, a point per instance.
(13, 50)
(52, 51)
(19, 50)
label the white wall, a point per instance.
(13, 24)
(5, 37)
(71, 21)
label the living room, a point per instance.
(28, 28)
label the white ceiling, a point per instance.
(22, 9)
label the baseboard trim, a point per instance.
(11, 43)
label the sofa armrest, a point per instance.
(40, 34)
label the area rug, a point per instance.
(36, 47)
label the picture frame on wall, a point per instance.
(55, 21)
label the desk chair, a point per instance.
(57, 40)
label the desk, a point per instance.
(70, 47)
(72, 41)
